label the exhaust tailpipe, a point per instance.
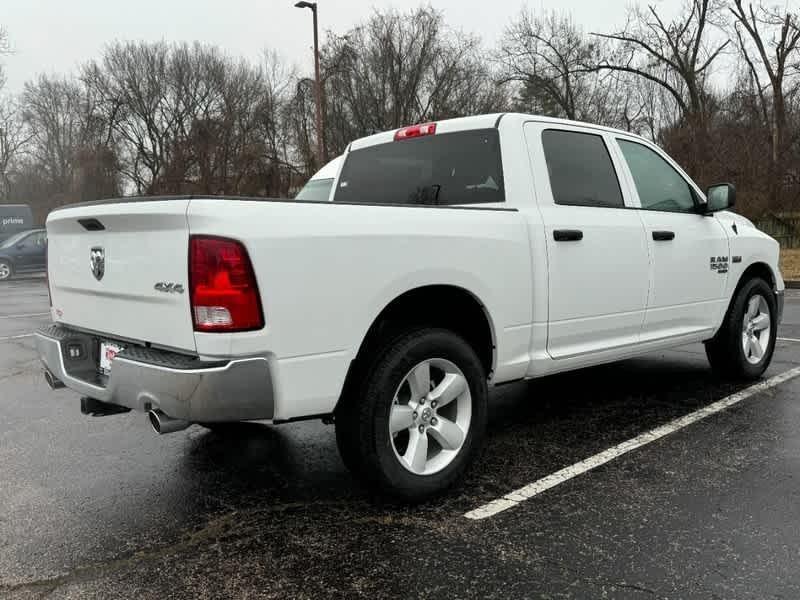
(162, 424)
(52, 381)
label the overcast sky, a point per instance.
(55, 36)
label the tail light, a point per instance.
(415, 131)
(222, 285)
(47, 271)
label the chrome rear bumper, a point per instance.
(143, 379)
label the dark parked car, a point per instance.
(24, 252)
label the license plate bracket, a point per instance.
(108, 351)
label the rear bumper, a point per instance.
(142, 379)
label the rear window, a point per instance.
(442, 169)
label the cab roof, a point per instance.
(484, 122)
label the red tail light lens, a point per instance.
(222, 284)
(47, 272)
(415, 131)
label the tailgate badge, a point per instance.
(97, 263)
(168, 287)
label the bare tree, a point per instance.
(551, 59)
(188, 118)
(53, 112)
(5, 48)
(13, 138)
(677, 56)
(554, 66)
(397, 69)
(237, 142)
(768, 40)
(130, 84)
(65, 142)
(674, 55)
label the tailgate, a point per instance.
(104, 264)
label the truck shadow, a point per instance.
(535, 428)
(541, 426)
(252, 463)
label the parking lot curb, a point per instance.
(792, 284)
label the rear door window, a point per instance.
(580, 169)
(442, 169)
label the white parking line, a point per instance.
(15, 337)
(537, 487)
(28, 316)
(788, 340)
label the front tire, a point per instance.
(743, 347)
(6, 270)
(419, 418)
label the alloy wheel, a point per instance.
(756, 329)
(430, 416)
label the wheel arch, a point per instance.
(758, 269)
(725, 351)
(438, 305)
(7, 259)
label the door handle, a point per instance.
(567, 235)
(663, 236)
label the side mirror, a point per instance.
(720, 197)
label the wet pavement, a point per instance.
(102, 507)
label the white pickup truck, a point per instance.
(448, 258)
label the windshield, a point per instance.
(450, 168)
(316, 189)
(14, 239)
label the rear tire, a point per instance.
(743, 347)
(6, 270)
(419, 417)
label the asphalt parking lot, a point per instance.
(102, 507)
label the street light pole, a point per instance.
(318, 82)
